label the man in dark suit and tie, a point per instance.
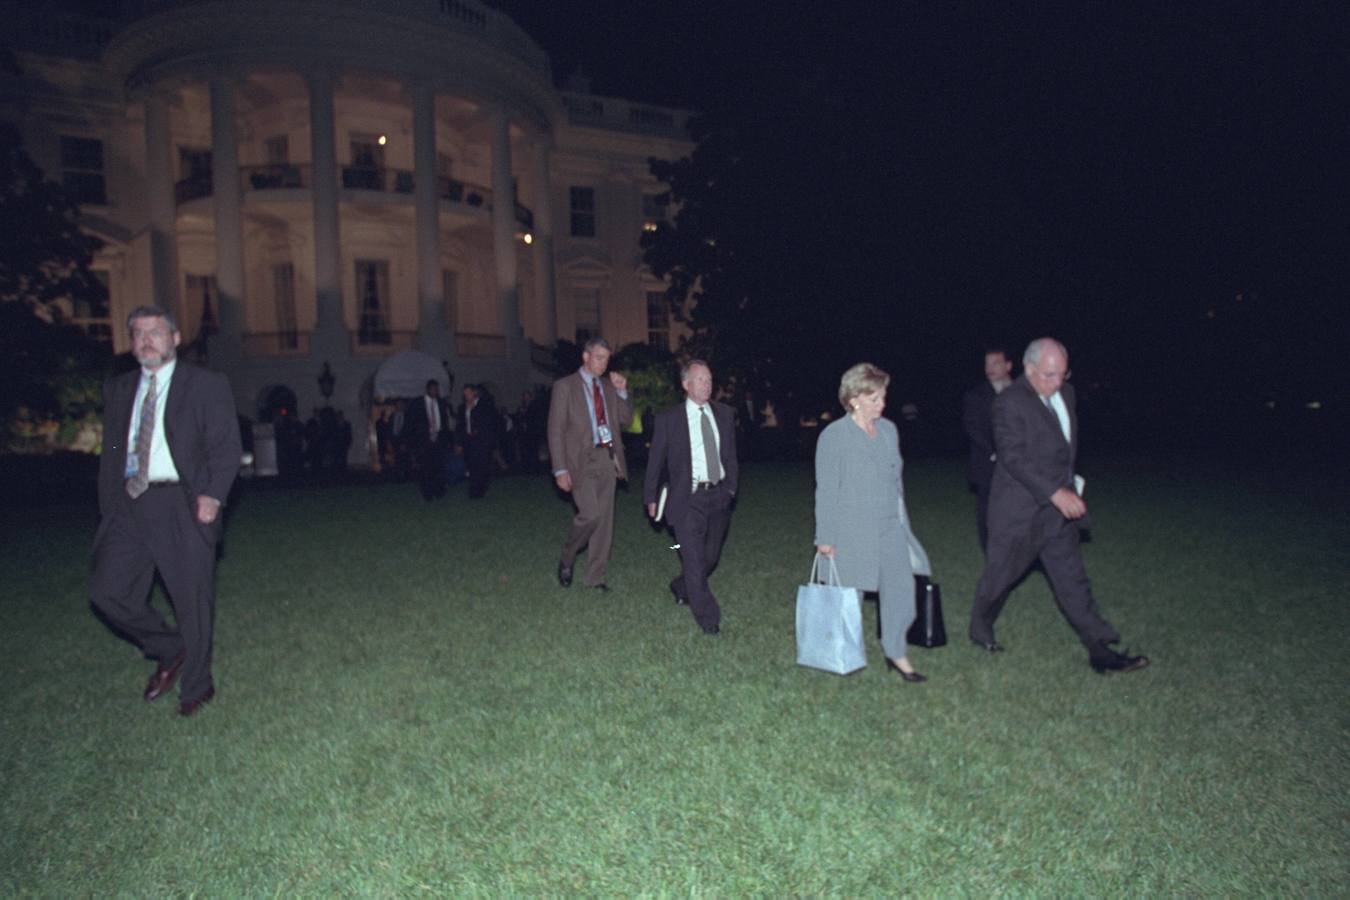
(977, 416)
(427, 427)
(479, 435)
(171, 450)
(1036, 507)
(694, 452)
(586, 417)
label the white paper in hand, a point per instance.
(661, 503)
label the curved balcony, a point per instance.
(299, 176)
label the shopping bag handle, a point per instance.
(833, 573)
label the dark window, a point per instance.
(372, 287)
(82, 170)
(583, 211)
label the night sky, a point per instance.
(1116, 174)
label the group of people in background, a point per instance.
(172, 450)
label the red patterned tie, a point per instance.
(599, 407)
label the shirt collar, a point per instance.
(163, 374)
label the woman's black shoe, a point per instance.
(911, 677)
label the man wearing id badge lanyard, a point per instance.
(587, 414)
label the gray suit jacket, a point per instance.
(860, 492)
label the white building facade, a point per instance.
(308, 183)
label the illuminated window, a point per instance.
(658, 320)
(93, 313)
(283, 293)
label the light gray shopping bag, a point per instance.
(829, 624)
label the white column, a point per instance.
(431, 324)
(329, 338)
(504, 226)
(543, 237)
(161, 205)
(229, 217)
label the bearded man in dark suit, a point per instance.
(694, 453)
(171, 451)
(1036, 507)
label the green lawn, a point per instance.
(408, 704)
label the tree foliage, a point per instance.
(49, 369)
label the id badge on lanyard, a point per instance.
(606, 437)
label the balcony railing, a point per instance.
(299, 176)
(462, 192)
(480, 346)
(367, 178)
(192, 188)
(280, 176)
(276, 343)
(381, 342)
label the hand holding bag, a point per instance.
(829, 624)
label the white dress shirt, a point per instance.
(694, 418)
(161, 460)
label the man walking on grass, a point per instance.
(1036, 507)
(586, 416)
(694, 452)
(171, 451)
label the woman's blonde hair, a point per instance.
(864, 378)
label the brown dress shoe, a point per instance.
(188, 707)
(165, 675)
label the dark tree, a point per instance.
(44, 262)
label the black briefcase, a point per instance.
(927, 630)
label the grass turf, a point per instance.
(409, 704)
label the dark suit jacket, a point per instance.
(1034, 460)
(200, 427)
(415, 429)
(669, 460)
(487, 425)
(977, 417)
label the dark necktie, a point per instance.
(710, 447)
(145, 432)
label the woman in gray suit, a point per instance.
(861, 520)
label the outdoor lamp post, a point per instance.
(326, 381)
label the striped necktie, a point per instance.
(145, 432)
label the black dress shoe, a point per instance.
(680, 599)
(188, 707)
(712, 629)
(601, 587)
(911, 677)
(1117, 662)
(564, 574)
(991, 646)
(165, 675)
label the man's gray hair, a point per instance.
(592, 343)
(151, 312)
(1037, 348)
(684, 369)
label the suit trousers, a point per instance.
(701, 533)
(1055, 541)
(895, 589)
(593, 525)
(158, 531)
(982, 489)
